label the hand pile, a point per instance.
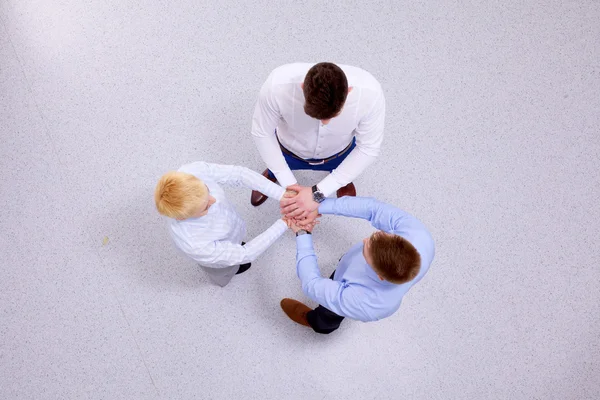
(298, 208)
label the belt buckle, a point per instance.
(316, 163)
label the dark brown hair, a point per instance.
(395, 259)
(325, 90)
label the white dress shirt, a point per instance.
(215, 239)
(281, 105)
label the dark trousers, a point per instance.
(330, 165)
(322, 320)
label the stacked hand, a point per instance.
(299, 209)
(295, 227)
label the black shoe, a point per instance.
(243, 268)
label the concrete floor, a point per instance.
(492, 139)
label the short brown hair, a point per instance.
(395, 259)
(325, 91)
(179, 195)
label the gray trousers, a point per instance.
(221, 276)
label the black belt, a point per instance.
(314, 162)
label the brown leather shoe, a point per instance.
(348, 190)
(257, 197)
(295, 310)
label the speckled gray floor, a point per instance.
(492, 139)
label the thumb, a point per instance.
(295, 187)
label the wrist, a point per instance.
(317, 195)
(301, 232)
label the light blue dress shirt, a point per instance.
(356, 291)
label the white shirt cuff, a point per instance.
(328, 185)
(286, 178)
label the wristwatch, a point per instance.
(318, 196)
(303, 232)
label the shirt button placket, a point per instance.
(318, 150)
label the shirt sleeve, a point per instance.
(382, 216)
(369, 136)
(224, 254)
(339, 297)
(236, 176)
(387, 218)
(264, 122)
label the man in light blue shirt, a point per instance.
(372, 277)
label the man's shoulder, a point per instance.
(360, 78)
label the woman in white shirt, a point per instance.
(205, 225)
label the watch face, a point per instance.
(318, 196)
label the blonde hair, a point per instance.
(178, 195)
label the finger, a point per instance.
(304, 214)
(287, 201)
(295, 187)
(289, 210)
(296, 214)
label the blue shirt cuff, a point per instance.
(327, 206)
(304, 242)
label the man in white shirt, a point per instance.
(319, 117)
(205, 226)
